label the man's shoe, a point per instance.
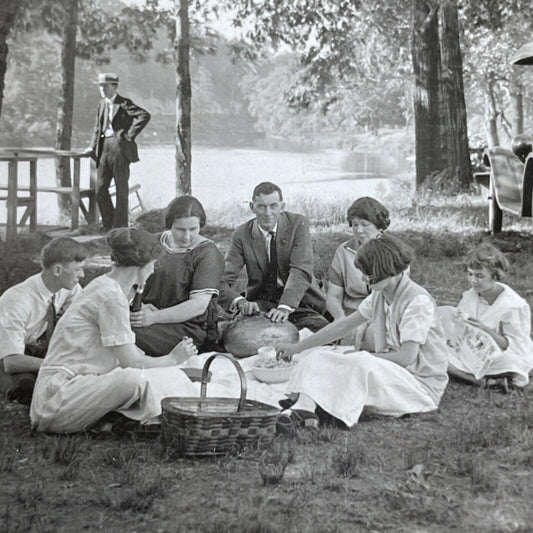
(502, 384)
(286, 403)
(23, 390)
(291, 419)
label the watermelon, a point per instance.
(245, 335)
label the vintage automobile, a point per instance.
(509, 180)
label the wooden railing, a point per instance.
(14, 156)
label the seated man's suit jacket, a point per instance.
(295, 263)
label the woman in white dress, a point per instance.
(406, 371)
(93, 366)
(496, 309)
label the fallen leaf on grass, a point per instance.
(417, 475)
(417, 471)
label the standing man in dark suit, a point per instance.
(118, 122)
(275, 247)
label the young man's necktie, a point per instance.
(51, 319)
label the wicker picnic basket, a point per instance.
(215, 426)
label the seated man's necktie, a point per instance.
(272, 276)
(270, 290)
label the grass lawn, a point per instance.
(467, 467)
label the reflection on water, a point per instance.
(225, 176)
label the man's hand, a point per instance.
(145, 317)
(89, 151)
(248, 308)
(278, 314)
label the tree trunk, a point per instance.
(517, 103)
(491, 113)
(8, 12)
(457, 153)
(426, 62)
(183, 100)
(65, 107)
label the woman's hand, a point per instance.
(475, 322)
(183, 351)
(285, 351)
(498, 335)
(145, 317)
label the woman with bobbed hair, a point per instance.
(93, 366)
(346, 287)
(405, 369)
(179, 299)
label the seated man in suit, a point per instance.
(29, 311)
(275, 247)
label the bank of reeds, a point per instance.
(425, 210)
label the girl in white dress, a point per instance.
(93, 366)
(496, 309)
(406, 373)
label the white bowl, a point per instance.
(272, 375)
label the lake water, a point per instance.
(224, 177)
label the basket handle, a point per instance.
(244, 386)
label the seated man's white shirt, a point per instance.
(23, 313)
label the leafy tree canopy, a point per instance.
(352, 55)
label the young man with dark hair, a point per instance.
(275, 247)
(29, 311)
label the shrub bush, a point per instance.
(19, 259)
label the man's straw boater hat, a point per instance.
(106, 77)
